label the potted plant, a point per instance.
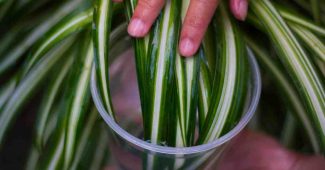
(56, 53)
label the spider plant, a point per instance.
(48, 49)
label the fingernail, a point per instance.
(241, 9)
(186, 47)
(136, 28)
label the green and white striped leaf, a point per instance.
(311, 40)
(101, 150)
(55, 157)
(301, 21)
(6, 91)
(48, 103)
(229, 84)
(208, 45)
(35, 155)
(17, 51)
(59, 32)
(187, 74)
(296, 61)
(78, 101)
(86, 134)
(313, 43)
(101, 34)
(27, 86)
(288, 91)
(205, 89)
(161, 55)
(208, 63)
(141, 59)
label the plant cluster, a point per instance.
(48, 49)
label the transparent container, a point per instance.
(129, 151)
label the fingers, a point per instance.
(239, 8)
(195, 24)
(144, 15)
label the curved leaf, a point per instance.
(101, 33)
(296, 61)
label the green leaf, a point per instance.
(141, 59)
(86, 133)
(288, 91)
(101, 150)
(205, 90)
(315, 6)
(59, 32)
(101, 33)
(296, 61)
(187, 74)
(12, 56)
(161, 55)
(301, 21)
(229, 84)
(47, 105)
(27, 86)
(313, 43)
(78, 101)
(6, 91)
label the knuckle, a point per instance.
(150, 4)
(207, 2)
(196, 22)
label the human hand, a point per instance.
(254, 151)
(195, 24)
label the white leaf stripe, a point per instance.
(204, 92)
(161, 60)
(88, 128)
(302, 22)
(28, 84)
(229, 80)
(297, 62)
(141, 49)
(13, 55)
(48, 103)
(187, 88)
(59, 32)
(102, 23)
(311, 40)
(289, 92)
(76, 109)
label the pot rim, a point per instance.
(256, 92)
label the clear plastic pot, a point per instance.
(130, 152)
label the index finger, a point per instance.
(195, 24)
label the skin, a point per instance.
(195, 23)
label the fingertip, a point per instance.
(239, 9)
(137, 28)
(187, 47)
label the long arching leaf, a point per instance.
(229, 84)
(288, 91)
(16, 52)
(101, 33)
(295, 60)
(26, 87)
(59, 32)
